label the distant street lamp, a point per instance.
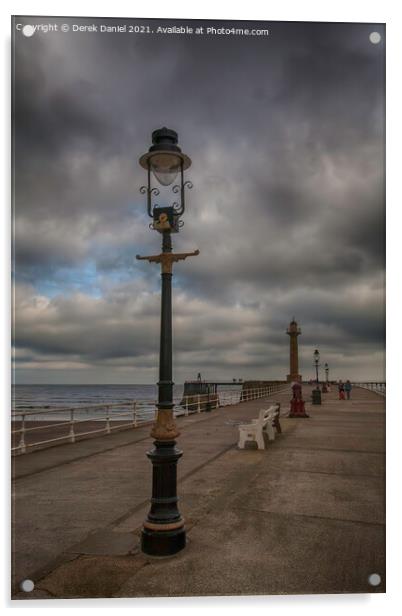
(163, 531)
(316, 363)
(326, 368)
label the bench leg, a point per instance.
(271, 432)
(241, 442)
(277, 425)
(260, 441)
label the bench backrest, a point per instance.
(266, 415)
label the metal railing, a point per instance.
(62, 424)
(378, 388)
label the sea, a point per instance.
(32, 397)
(39, 398)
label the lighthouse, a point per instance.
(293, 331)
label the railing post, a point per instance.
(72, 433)
(135, 414)
(198, 403)
(22, 446)
(186, 407)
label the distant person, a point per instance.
(341, 390)
(348, 388)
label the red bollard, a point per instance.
(297, 403)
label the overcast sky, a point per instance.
(286, 135)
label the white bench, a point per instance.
(267, 420)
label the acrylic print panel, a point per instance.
(199, 390)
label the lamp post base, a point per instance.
(163, 532)
(297, 408)
(163, 542)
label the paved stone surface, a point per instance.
(306, 515)
(106, 543)
(63, 493)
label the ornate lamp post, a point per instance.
(316, 363)
(326, 368)
(163, 531)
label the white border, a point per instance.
(292, 10)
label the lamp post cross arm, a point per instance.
(168, 258)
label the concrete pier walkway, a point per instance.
(306, 515)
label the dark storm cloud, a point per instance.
(286, 137)
(120, 329)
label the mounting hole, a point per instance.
(27, 585)
(375, 38)
(28, 30)
(374, 579)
